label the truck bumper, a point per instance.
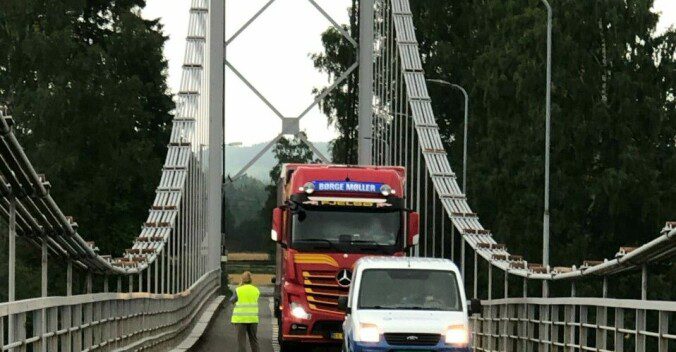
(316, 332)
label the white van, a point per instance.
(406, 304)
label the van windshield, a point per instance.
(413, 289)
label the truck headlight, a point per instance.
(368, 333)
(308, 188)
(386, 190)
(457, 335)
(297, 311)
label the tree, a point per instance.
(341, 104)
(86, 84)
(612, 123)
(243, 200)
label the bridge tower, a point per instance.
(366, 41)
(216, 109)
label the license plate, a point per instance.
(337, 335)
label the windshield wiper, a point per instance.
(368, 242)
(417, 308)
(379, 307)
(331, 244)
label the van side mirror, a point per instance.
(474, 306)
(276, 233)
(342, 304)
(413, 229)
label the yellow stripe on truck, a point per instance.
(315, 259)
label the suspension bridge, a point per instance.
(165, 288)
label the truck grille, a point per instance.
(322, 290)
(412, 339)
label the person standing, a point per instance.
(245, 313)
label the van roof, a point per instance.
(405, 263)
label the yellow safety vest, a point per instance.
(246, 307)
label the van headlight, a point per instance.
(297, 311)
(368, 333)
(457, 335)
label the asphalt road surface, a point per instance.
(221, 335)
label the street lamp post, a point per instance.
(545, 225)
(464, 165)
(464, 145)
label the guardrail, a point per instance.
(575, 324)
(104, 321)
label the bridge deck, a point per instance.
(221, 335)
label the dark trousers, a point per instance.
(242, 331)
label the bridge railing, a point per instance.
(574, 324)
(104, 321)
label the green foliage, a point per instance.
(612, 144)
(341, 104)
(244, 228)
(613, 129)
(85, 81)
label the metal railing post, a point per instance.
(644, 282)
(89, 282)
(476, 269)
(618, 334)
(11, 265)
(662, 340)
(69, 277)
(45, 264)
(545, 227)
(157, 264)
(45, 291)
(506, 283)
(462, 256)
(490, 280)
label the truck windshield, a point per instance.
(348, 230)
(413, 289)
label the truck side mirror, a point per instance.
(276, 233)
(474, 306)
(413, 229)
(342, 304)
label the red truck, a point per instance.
(329, 216)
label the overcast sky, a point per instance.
(273, 53)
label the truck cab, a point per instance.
(406, 304)
(328, 217)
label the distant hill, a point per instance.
(238, 156)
